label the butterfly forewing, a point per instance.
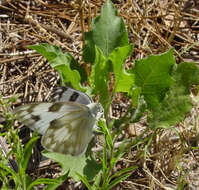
(38, 116)
(65, 94)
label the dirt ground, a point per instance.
(154, 26)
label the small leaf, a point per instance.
(117, 180)
(59, 182)
(135, 94)
(28, 151)
(107, 32)
(140, 109)
(97, 181)
(85, 181)
(106, 131)
(42, 181)
(86, 166)
(123, 81)
(15, 176)
(122, 171)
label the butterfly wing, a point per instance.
(38, 116)
(71, 133)
(66, 126)
(65, 94)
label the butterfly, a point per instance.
(66, 124)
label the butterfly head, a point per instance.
(96, 110)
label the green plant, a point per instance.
(156, 84)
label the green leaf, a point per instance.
(107, 32)
(48, 51)
(172, 109)
(106, 131)
(123, 80)
(117, 180)
(99, 78)
(85, 181)
(117, 155)
(135, 95)
(42, 181)
(177, 102)
(63, 63)
(187, 74)
(137, 113)
(15, 176)
(28, 151)
(104, 160)
(153, 76)
(28, 181)
(97, 181)
(74, 66)
(58, 181)
(76, 164)
(122, 171)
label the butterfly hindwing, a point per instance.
(69, 136)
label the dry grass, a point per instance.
(154, 26)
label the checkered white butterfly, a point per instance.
(65, 125)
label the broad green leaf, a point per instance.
(187, 74)
(84, 166)
(107, 32)
(99, 78)
(177, 102)
(123, 81)
(63, 63)
(48, 51)
(153, 76)
(172, 109)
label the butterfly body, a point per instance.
(66, 127)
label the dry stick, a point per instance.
(41, 27)
(177, 21)
(30, 20)
(81, 5)
(3, 77)
(89, 16)
(4, 61)
(24, 77)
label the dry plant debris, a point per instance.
(154, 26)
